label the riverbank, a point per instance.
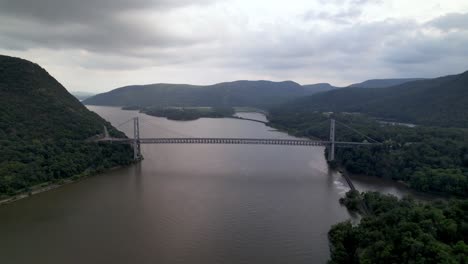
(195, 113)
(44, 187)
(242, 109)
(48, 186)
(248, 119)
(387, 226)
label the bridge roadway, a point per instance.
(236, 141)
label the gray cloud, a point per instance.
(382, 49)
(330, 49)
(116, 35)
(351, 2)
(349, 11)
(450, 21)
(81, 11)
(342, 17)
(425, 49)
(100, 26)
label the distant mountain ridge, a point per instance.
(261, 94)
(441, 101)
(383, 83)
(318, 88)
(82, 95)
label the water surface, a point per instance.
(187, 203)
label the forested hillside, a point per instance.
(428, 159)
(318, 88)
(440, 102)
(382, 83)
(402, 231)
(260, 94)
(43, 130)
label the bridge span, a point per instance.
(136, 141)
(235, 141)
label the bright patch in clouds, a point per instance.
(99, 45)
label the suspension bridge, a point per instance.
(136, 141)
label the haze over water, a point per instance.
(187, 203)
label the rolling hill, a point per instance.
(43, 130)
(440, 102)
(383, 83)
(260, 94)
(318, 88)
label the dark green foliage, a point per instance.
(403, 231)
(43, 130)
(441, 101)
(259, 94)
(428, 158)
(188, 113)
(352, 200)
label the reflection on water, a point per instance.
(185, 203)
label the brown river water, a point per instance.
(188, 203)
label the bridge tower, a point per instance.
(106, 132)
(331, 146)
(136, 139)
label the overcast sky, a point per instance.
(98, 45)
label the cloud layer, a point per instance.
(118, 42)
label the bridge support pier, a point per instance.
(331, 146)
(136, 139)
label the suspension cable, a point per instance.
(362, 134)
(169, 131)
(124, 123)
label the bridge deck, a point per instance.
(236, 141)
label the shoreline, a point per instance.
(37, 189)
(421, 195)
(233, 116)
(45, 187)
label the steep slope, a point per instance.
(382, 83)
(43, 130)
(81, 95)
(260, 94)
(442, 101)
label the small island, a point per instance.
(186, 113)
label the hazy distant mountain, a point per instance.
(43, 129)
(82, 95)
(442, 101)
(318, 88)
(382, 83)
(261, 94)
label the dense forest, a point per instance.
(259, 94)
(401, 231)
(435, 102)
(43, 131)
(429, 159)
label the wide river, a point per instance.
(188, 203)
